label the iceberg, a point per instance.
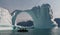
(5, 19)
(42, 16)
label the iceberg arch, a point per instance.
(41, 16)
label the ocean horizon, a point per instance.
(32, 32)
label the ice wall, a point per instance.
(5, 19)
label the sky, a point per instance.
(12, 5)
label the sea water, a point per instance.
(32, 32)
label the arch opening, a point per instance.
(24, 19)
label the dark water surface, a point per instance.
(33, 32)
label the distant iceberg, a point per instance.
(5, 19)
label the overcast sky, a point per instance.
(12, 5)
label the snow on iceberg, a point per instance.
(5, 19)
